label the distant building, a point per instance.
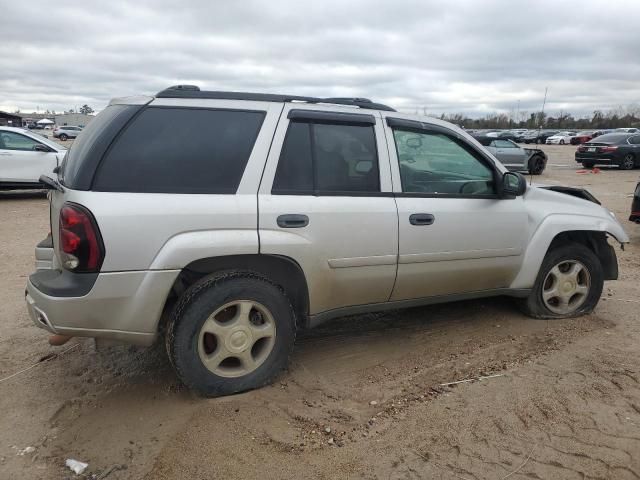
(10, 119)
(72, 119)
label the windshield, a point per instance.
(85, 140)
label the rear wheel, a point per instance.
(569, 284)
(561, 142)
(231, 332)
(64, 137)
(628, 162)
(536, 165)
(588, 164)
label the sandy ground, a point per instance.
(362, 398)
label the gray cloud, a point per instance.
(462, 56)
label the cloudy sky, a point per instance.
(473, 56)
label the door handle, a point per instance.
(293, 220)
(421, 219)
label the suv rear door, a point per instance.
(326, 201)
(455, 235)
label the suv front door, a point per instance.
(455, 235)
(326, 202)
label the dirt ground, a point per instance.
(362, 397)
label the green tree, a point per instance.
(86, 109)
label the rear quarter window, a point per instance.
(180, 150)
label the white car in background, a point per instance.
(561, 138)
(24, 156)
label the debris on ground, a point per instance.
(26, 451)
(76, 466)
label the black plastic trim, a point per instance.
(62, 283)
(192, 91)
(311, 193)
(332, 117)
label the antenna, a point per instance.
(543, 104)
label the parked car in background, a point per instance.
(513, 156)
(505, 134)
(635, 205)
(520, 136)
(24, 156)
(628, 130)
(311, 209)
(65, 132)
(582, 137)
(538, 136)
(560, 138)
(619, 148)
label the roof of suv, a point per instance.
(193, 91)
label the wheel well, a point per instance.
(283, 271)
(597, 243)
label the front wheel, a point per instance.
(561, 142)
(588, 164)
(231, 332)
(536, 165)
(569, 284)
(628, 162)
(64, 137)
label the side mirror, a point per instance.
(41, 148)
(513, 185)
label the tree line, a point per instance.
(614, 118)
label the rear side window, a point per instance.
(180, 150)
(321, 158)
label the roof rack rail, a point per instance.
(193, 91)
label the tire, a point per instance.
(580, 303)
(536, 165)
(64, 137)
(537, 141)
(561, 142)
(588, 164)
(628, 162)
(238, 365)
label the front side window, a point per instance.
(327, 158)
(15, 141)
(503, 144)
(180, 150)
(435, 163)
(635, 140)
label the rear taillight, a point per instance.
(608, 149)
(81, 248)
(582, 149)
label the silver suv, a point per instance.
(225, 222)
(65, 133)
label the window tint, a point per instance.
(180, 150)
(295, 167)
(15, 141)
(322, 157)
(435, 163)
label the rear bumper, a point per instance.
(599, 158)
(121, 306)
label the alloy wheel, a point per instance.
(628, 162)
(237, 338)
(566, 287)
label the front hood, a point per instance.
(543, 201)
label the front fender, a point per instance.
(552, 226)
